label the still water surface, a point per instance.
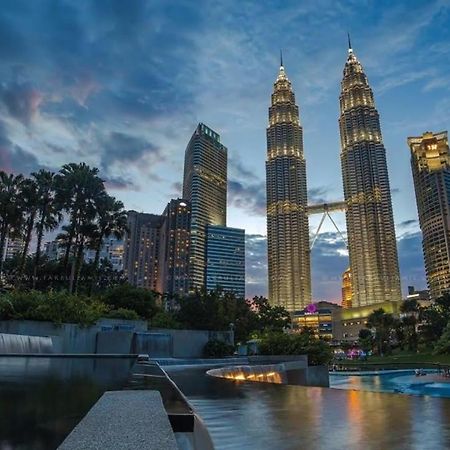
(245, 415)
(42, 399)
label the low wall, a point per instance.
(118, 336)
(294, 372)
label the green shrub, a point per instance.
(57, 307)
(217, 349)
(319, 352)
(140, 300)
(123, 313)
(163, 319)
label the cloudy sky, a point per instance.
(122, 85)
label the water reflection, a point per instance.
(244, 415)
(42, 399)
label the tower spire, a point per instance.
(281, 58)
(349, 43)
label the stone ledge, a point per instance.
(128, 420)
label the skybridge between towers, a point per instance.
(325, 209)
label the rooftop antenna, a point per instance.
(349, 42)
(281, 58)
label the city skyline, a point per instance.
(67, 97)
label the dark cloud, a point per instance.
(118, 183)
(407, 223)
(248, 197)
(256, 264)
(317, 195)
(14, 158)
(410, 254)
(21, 100)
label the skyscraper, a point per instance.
(205, 187)
(142, 249)
(174, 248)
(347, 289)
(430, 164)
(225, 259)
(370, 223)
(287, 219)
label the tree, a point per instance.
(48, 211)
(28, 200)
(79, 191)
(270, 318)
(443, 345)
(433, 320)
(365, 340)
(383, 323)
(111, 221)
(10, 209)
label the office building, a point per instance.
(141, 251)
(205, 188)
(287, 217)
(174, 248)
(225, 259)
(370, 223)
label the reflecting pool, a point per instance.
(246, 415)
(400, 381)
(43, 398)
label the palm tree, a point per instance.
(111, 221)
(383, 323)
(79, 190)
(48, 213)
(29, 201)
(10, 209)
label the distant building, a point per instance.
(347, 289)
(174, 248)
(53, 251)
(205, 187)
(370, 223)
(13, 247)
(430, 164)
(225, 259)
(112, 250)
(422, 297)
(142, 249)
(317, 317)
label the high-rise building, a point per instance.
(430, 163)
(174, 248)
(370, 223)
(287, 219)
(142, 249)
(13, 248)
(112, 250)
(347, 289)
(225, 259)
(205, 187)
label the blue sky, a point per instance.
(122, 85)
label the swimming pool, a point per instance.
(398, 381)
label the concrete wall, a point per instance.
(113, 336)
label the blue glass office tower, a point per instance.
(225, 259)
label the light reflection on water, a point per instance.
(246, 415)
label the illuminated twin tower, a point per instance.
(370, 224)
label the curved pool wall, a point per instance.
(291, 372)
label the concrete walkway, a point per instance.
(125, 420)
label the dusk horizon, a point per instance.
(123, 87)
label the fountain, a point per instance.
(156, 345)
(20, 343)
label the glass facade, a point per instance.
(370, 223)
(225, 259)
(205, 187)
(430, 164)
